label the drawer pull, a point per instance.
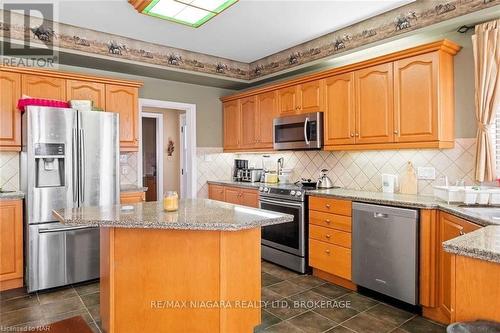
(328, 221)
(327, 206)
(328, 236)
(327, 251)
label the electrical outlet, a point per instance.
(123, 159)
(125, 170)
(208, 158)
(426, 173)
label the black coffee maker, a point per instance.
(239, 166)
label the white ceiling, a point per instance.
(247, 31)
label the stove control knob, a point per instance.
(298, 193)
(292, 192)
(266, 189)
(261, 188)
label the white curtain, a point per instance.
(485, 44)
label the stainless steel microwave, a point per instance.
(298, 132)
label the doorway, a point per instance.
(168, 148)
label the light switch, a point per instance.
(426, 173)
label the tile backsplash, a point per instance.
(352, 170)
(129, 168)
(9, 171)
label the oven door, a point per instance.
(298, 132)
(288, 237)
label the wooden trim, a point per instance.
(11, 284)
(429, 243)
(70, 76)
(139, 5)
(396, 145)
(334, 279)
(444, 45)
(10, 148)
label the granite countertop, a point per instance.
(483, 244)
(193, 214)
(132, 188)
(390, 199)
(11, 195)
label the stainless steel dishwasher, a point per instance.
(385, 250)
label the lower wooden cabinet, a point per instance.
(11, 244)
(234, 195)
(132, 197)
(435, 264)
(330, 240)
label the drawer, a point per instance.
(329, 205)
(328, 235)
(330, 258)
(334, 221)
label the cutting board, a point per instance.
(409, 180)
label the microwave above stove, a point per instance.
(298, 132)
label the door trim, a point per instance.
(159, 151)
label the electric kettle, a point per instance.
(324, 181)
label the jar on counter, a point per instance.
(171, 201)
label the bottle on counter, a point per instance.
(171, 201)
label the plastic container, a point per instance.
(495, 196)
(470, 196)
(483, 197)
(449, 193)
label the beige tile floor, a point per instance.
(292, 303)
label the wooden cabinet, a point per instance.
(216, 192)
(39, 86)
(234, 195)
(374, 104)
(132, 197)
(87, 90)
(11, 244)
(339, 117)
(266, 106)
(436, 264)
(288, 101)
(330, 239)
(310, 96)
(232, 124)
(10, 116)
(416, 98)
(123, 100)
(249, 118)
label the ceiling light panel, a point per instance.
(193, 13)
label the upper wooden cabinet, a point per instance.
(38, 86)
(266, 107)
(374, 104)
(10, 117)
(123, 100)
(288, 101)
(11, 240)
(416, 98)
(310, 96)
(87, 90)
(232, 124)
(399, 100)
(339, 117)
(249, 118)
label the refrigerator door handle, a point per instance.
(82, 166)
(74, 171)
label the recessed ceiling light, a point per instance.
(193, 13)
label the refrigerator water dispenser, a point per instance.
(49, 165)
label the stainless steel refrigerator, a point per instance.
(69, 159)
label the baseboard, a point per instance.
(334, 279)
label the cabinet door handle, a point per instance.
(356, 135)
(328, 236)
(352, 135)
(396, 132)
(461, 232)
(327, 206)
(327, 221)
(327, 251)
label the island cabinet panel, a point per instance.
(416, 98)
(330, 230)
(438, 306)
(124, 101)
(132, 197)
(216, 192)
(204, 266)
(374, 104)
(11, 244)
(288, 101)
(249, 125)
(267, 111)
(39, 86)
(311, 96)
(339, 117)
(87, 90)
(232, 124)
(10, 117)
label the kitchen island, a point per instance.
(193, 270)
